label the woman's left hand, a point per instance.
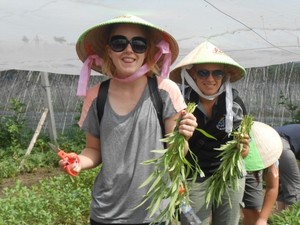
(245, 140)
(187, 124)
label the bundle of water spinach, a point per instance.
(169, 178)
(231, 167)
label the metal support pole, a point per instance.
(48, 104)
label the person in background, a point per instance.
(289, 173)
(128, 50)
(262, 166)
(205, 75)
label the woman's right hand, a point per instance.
(73, 168)
(187, 124)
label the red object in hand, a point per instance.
(70, 157)
(181, 189)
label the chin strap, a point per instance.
(229, 105)
(194, 86)
(226, 86)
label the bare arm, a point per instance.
(91, 155)
(271, 177)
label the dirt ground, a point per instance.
(29, 179)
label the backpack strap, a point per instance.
(101, 99)
(237, 99)
(156, 100)
(241, 103)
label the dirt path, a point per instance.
(29, 179)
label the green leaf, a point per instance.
(161, 151)
(206, 134)
(148, 180)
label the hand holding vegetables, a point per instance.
(230, 170)
(169, 179)
(244, 140)
(187, 124)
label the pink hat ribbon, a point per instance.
(85, 73)
(165, 49)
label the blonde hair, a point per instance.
(152, 37)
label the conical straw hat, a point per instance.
(265, 147)
(205, 53)
(88, 43)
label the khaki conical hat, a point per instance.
(265, 147)
(205, 53)
(88, 43)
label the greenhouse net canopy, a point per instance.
(40, 35)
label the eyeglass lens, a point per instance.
(217, 74)
(119, 43)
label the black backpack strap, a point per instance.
(156, 100)
(241, 103)
(101, 99)
(237, 99)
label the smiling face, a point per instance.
(127, 61)
(208, 77)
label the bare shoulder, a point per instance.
(167, 84)
(92, 92)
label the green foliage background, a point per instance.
(61, 199)
(58, 200)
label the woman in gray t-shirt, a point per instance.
(128, 50)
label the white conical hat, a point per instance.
(265, 147)
(88, 43)
(205, 53)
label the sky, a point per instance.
(40, 35)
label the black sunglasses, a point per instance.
(118, 43)
(217, 74)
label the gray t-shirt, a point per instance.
(126, 142)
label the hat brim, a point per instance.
(265, 147)
(89, 42)
(203, 54)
